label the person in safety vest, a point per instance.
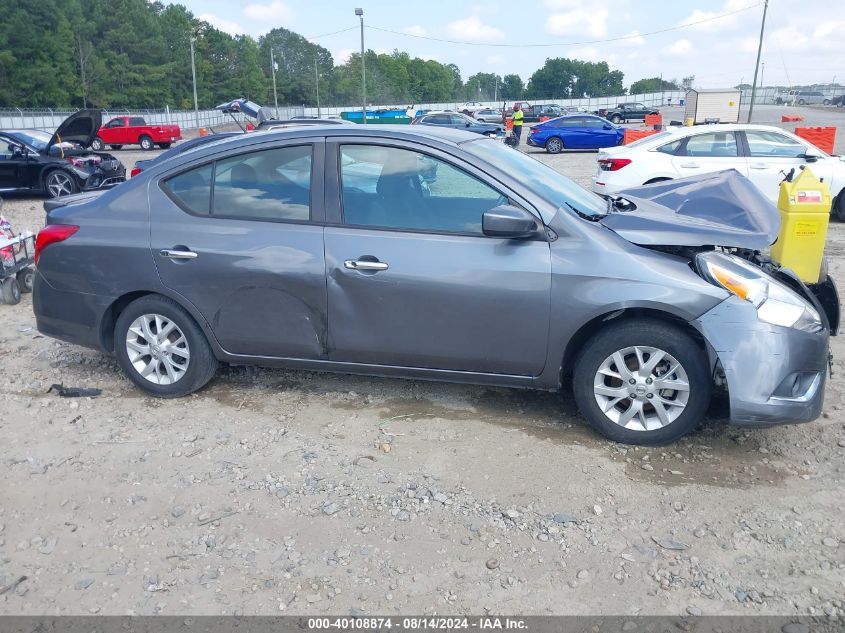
(517, 123)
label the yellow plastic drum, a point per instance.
(804, 207)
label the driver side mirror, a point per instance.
(509, 222)
(607, 126)
(811, 156)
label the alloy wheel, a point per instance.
(554, 145)
(157, 349)
(59, 184)
(641, 388)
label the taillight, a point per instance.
(613, 164)
(51, 234)
(135, 171)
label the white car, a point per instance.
(762, 153)
(470, 107)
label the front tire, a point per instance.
(161, 348)
(146, 143)
(59, 183)
(826, 102)
(97, 144)
(642, 382)
(616, 119)
(554, 145)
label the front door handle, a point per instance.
(362, 264)
(758, 166)
(177, 254)
(690, 165)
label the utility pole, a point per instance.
(273, 71)
(762, 83)
(194, 75)
(496, 90)
(757, 65)
(360, 13)
(317, 82)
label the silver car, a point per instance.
(488, 115)
(438, 254)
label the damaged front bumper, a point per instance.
(774, 374)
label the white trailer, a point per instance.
(712, 106)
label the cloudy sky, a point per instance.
(715, 40)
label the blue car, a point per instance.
(580, 131)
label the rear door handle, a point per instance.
(758, 166)
(174, 254)
(690, 165)
(361, 264)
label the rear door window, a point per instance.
(270, 185)
(713, 144)
(273, 184)
(191, 190)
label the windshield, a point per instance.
(543, 180)
(33, 138)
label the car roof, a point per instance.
(429, 132)
(680, 130)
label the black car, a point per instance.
(625, 112)
(59, 164)
(459, 121)
(141, 165)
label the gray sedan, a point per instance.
(438, 254)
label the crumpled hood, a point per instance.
(716, 209)
(80, 127)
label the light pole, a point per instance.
(757, 65)
(273, 70)
(317, 82)
(194, 75)
(360, 13)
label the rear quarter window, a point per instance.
(191, 190)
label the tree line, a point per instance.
(136, 53)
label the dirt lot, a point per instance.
(291, 492)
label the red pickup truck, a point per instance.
(133, 130)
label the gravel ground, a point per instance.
(287, 492)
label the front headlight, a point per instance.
(776, 303)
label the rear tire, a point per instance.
(10, 291)
(554, 145)
(116, 147)
(800, 102)
(97, 144)
(616, 119)
(146, 143)
(184, 348)
(26, 279)
(826, 102)
(597, 377)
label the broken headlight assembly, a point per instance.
(776, 303)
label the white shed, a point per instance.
(712, 106)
